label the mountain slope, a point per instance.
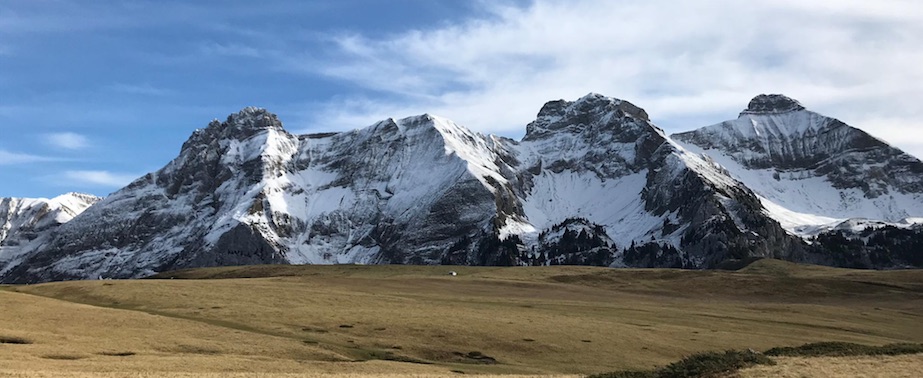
(812, 172)
(603, 160)
(856, 199)
(24, 220)
(592, 182)
(245, 191)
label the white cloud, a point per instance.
(67, 140)
(99, 178)
(12, 158)
(687, 63)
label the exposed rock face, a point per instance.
(772, 103)
(575, 241)
(592, 182)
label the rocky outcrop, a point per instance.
(772, 103)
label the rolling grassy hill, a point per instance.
(278, 320)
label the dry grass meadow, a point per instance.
(345, 321)
(865, 367)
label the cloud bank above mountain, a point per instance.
(689, 64)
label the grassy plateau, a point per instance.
(345, 321)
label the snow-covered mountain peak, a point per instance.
(422, 123)
(25, 221)
(788, 137)
(772, 103)
(411, 126)
(72, 204)
(811, 172)
(423, 128)
(759, 130)
(254, 117)
(245, 136)
(575, 117)
(244, 124)
(249, 118)
(76, 197)
(479, 153)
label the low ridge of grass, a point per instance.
(737, 264)
(709, 364)
(390, 356)
(841, 349)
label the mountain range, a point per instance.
(592, 182)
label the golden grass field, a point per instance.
(300, 321)
(867, 367)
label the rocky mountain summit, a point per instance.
(823, 180)
(776, 132)
(805, 165)
(593, 182)
(772, 103)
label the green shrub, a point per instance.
(713, 363)
(626, 374)
(709, 364)
(717, 364)
(841, 349)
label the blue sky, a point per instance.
(96, 93)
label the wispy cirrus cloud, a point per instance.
(67, 140)
(14, 158)
(98, 178)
